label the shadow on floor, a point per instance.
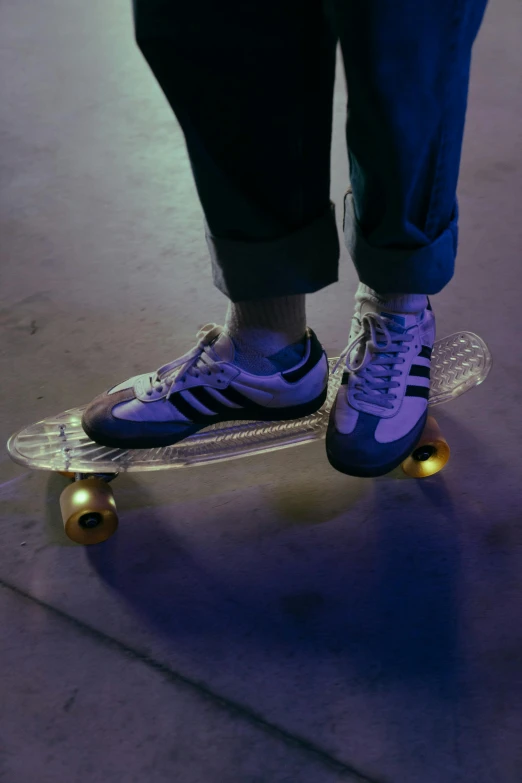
(375, 580)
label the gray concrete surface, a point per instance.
(265, 619)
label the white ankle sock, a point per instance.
(261, 328)
(267, 325)
(397, 303)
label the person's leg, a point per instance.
(251, 85)
(407, 66)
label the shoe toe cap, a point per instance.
(360, 454)
(98, 420)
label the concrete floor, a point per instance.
(267, 619)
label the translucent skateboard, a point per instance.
(59, 443)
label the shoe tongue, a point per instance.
(224, 347)
(403, 320)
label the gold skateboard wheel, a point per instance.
(430, 454)
(67, 474)
(88, 511)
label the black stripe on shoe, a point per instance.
(240, 399)
(186, 409)
(250, 410)
(418, 371)
(210, 402)
(316, 354)
(417, 391)
(426, 352)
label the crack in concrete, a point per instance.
(234, 708)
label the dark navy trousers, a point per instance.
(251, 84)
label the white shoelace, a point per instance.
(376, 371)
(198, 361)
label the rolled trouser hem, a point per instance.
(422, 270)
(299, 263)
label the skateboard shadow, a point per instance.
(375, 584)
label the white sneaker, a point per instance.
(382, 404)
(202, 388)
